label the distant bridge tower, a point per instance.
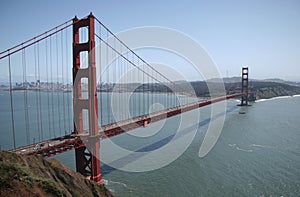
(87, 159)
(245, 84)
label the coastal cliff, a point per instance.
(22, 175)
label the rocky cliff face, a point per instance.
(36, 176)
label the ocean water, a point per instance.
(257, 154)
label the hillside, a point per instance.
(265, 89)
(35, 176)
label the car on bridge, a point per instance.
(38, 146)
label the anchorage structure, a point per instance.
(244, 100)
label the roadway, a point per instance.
(59, 145)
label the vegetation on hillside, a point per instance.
(263, 89)
(35, 176)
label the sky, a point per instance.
(261, 34)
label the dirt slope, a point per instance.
(35, 176)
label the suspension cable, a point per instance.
(131, 62)
(33, 41)
(132, 51)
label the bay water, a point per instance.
(257, 153)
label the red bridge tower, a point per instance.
(87, 158)
(244, 100)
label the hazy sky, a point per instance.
(262, 34)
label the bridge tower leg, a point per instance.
(87, 158)
(244, 100)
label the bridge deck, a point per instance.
(59, 145)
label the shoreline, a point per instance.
(277, 97)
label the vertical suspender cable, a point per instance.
(108, 85)
(128, 88)
(120, 85)
(152, 89)
(119, 71)
(36, 94)
(121, 94)
(136, 90)
(48, 95)
(116, 85)
(11, 104)
(132, 82)
(156, 89)
(139, 87)
(63, 82)
(69, 94)
(100, 79)
(57, 84)
(114, 65)
(127, 81)
(25, 96)
(148, 94)
(136, 93)
(166, 95)
(40, 99)
(143, 85)
(124, 81)
(119, 79)
(52, 88)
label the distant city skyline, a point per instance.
(264, 35)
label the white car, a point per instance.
(36, 147)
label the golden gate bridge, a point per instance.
(46, 59)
